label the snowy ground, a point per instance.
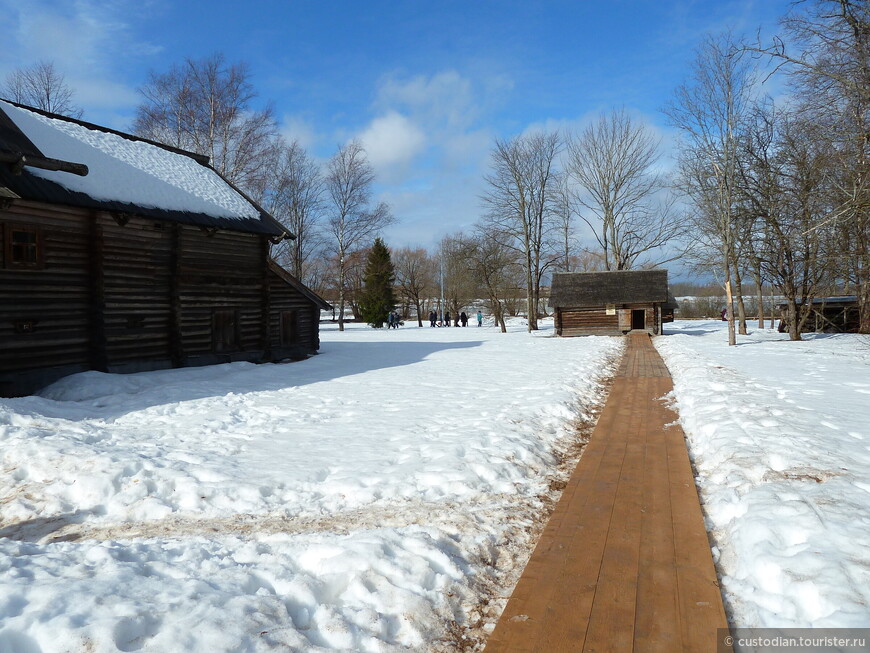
(779, 433)
(384, 495)
(381, 496)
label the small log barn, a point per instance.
(120, 254)
(826, 314)
(611, 303)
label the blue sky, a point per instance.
(427, 86)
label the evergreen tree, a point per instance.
(378, 299)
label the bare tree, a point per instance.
(318, 276)
(352, 222)
(42, 86)
(828, 58)
(495, 265)
(355, 265)
(415, 276)
(709, 112)
(613, 161)
(760, 192)
(563, 213)
(520, 203)
(207, 106)
(460, 286)
(293, 192)
(794, 252)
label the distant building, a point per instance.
(827, 314)
(611, 303)
(120, 254)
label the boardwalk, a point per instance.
(624, 563)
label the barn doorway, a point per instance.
(638, 319)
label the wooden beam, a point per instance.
(19, 161)
(99, 359)
(266, 303)
(176, 343)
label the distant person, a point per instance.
(724, 314)
(456, 320)
(447, 318)
(463, 318)
(479, 319)
(433, 318)
(391, 319)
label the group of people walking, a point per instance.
(461, 318)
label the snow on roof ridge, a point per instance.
(129, 169)
(196, 156)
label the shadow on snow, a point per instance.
(96, 395)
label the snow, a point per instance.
(383, 495)
(129, 171)
(779, 433)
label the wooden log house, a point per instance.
(119, 254)
(611, 303)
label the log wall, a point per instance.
(136, 291)
(287, 302)
(45, 312)
(133, 294)
(589, 321)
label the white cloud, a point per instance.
(392, 142)
(468, 150)
(103, 93)
(86, 40)
(295, 128)
(430, 145)
(445, 100)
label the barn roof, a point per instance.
(59, 160)
(288, 278)
(575, 289)
(842, 300)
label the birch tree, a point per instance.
(708, 111)
(293, 192)
(352, 222)
(42, 86)
(519, 203)
(208, 106)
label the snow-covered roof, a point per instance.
(843, 300)
(126, 170)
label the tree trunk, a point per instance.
(760, 291)
(794, 327)
(741, 307)
(531, 299)
(729, 307)
(341, 275)
(862, 278)
(864, 307)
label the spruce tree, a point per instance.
(378, 299)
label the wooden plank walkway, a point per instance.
(624, 563)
